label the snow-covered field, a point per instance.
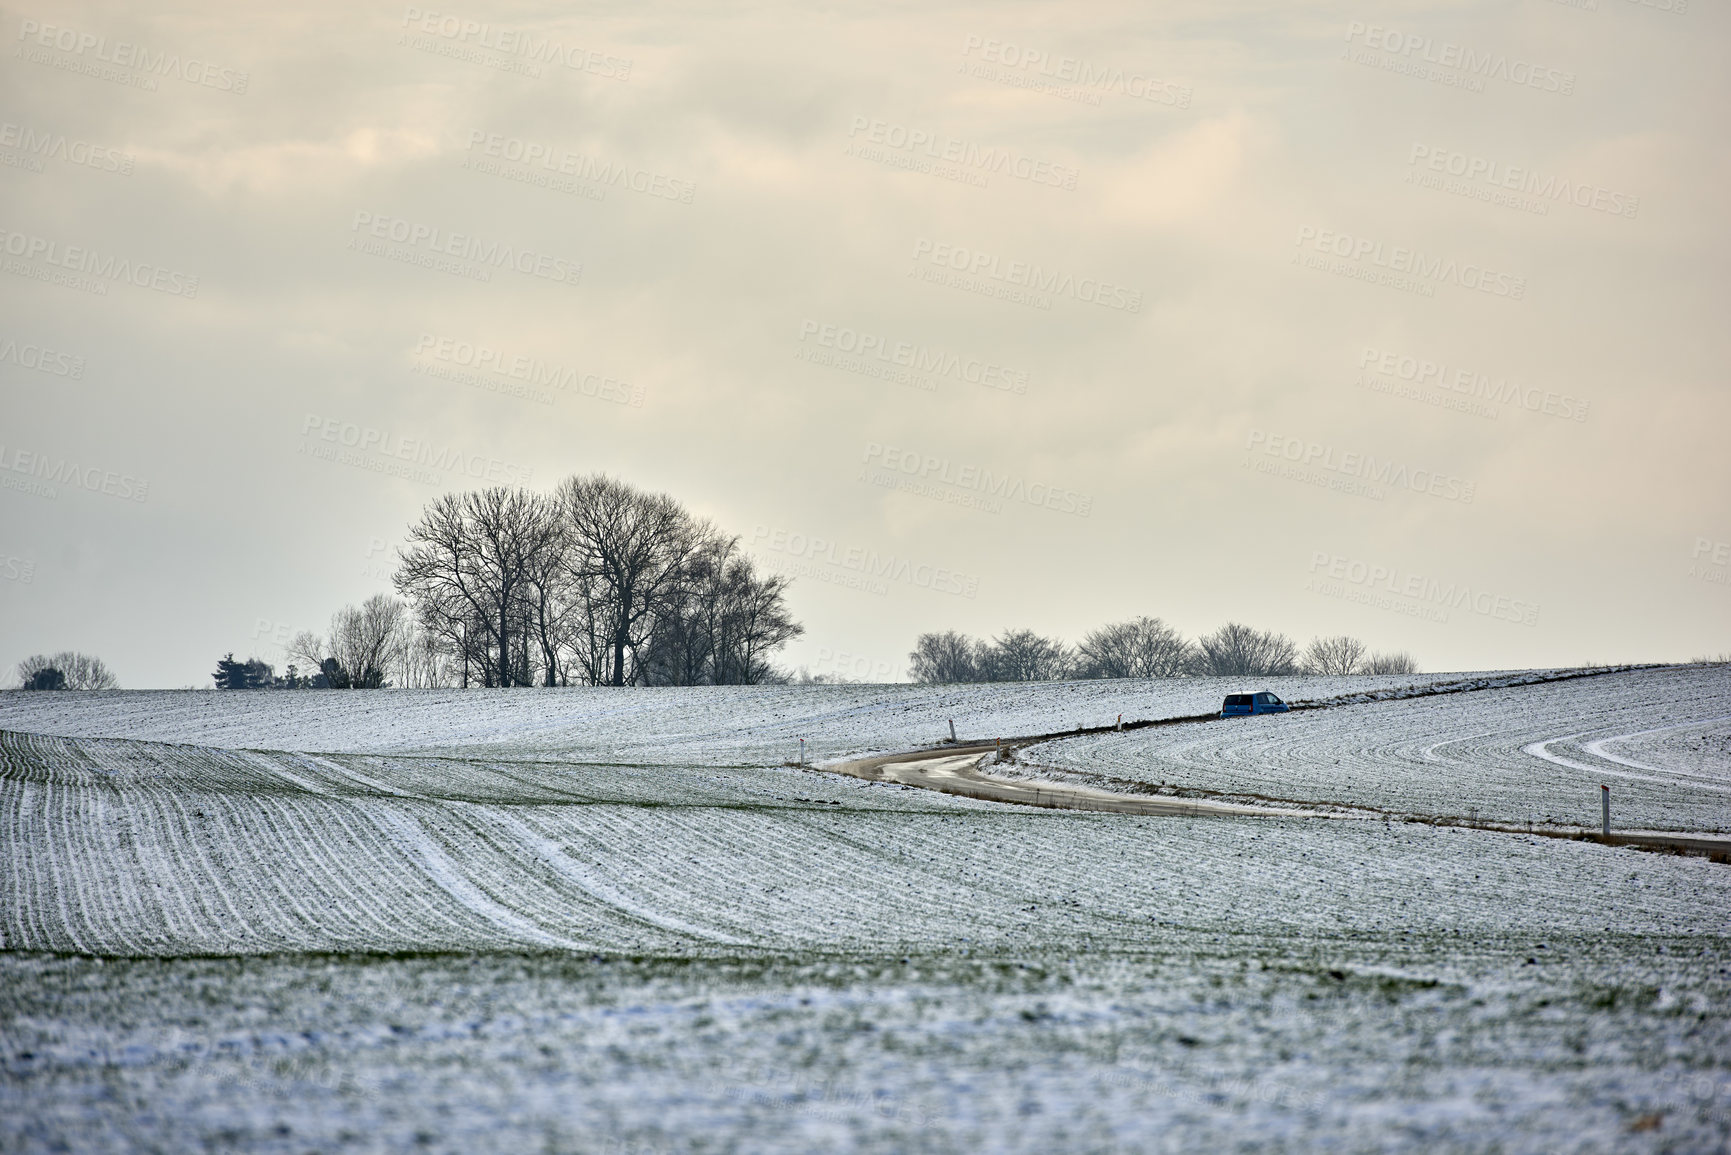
(695, 726)
(1661, 739)
(523, 921)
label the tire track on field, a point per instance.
(387, 906)
(563, 864)
(1597, 749)
(1541, 750)
(439, 868)
(621, 833)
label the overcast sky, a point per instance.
(1405, 321)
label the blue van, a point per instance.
(1262, 702)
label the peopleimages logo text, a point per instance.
(869, 564)
(40, 358)
(47, 471)
(1004, 486)
(578, 166)
(1483, 65)
(417, 451)
(84, 262)
(124, 55)
(1024, 276)
(514, 42)
(1391, 581)
(440, 243)
(36, 146)
(23, 571)
(918, 358)
(532, 373)
(1360, 467)
(926, 144)
(1497, 177)
(1073, 70)
(1717, 552)
(1412, 262)
(1501, 391)
(1711, 561)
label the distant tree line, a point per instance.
(369, 646)
(254, 674)
(1143, 647)
(597, 583)
(67, 670)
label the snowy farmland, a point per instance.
(662, 726)
(617, 921)
(1661, 739)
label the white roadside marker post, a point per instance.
(952, 729)
(802, 751)
(1120, 721)
(1605, 811)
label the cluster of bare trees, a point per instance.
(1015, 656)
(1142, 648)
(67, 670)
(372, 645)
(598, 583)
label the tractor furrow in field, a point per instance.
(587, 879)
(327, 896)
(20, 924)
(405, 832)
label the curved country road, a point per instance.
(956, 770)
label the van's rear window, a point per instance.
(1238, 699)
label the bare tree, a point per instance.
(694, 624)
(439, 572)
(306, 650)
(943, 658)
(1024, 656)
(1141, 648)
(720, 621)
(365, 640)
(67, 670)
(1338, 655)
(424, 659)
(757, 609)
(39, 672)
(446, 616)
(87, 672)
(550, 595)
(636, 545)
(1395, 663)
(366, 643)
(591, 629)
(1236, 650)
(467, 568)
